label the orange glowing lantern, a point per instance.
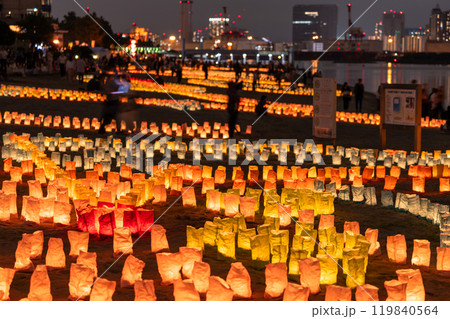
(88, 260)
(220, 176)
(79, 241)
(189, 256)
(80, 282)
(390, 182)
(213, 201)
(144, 290)
(189, 199)
(338, 293)
(184, 290)
(381, 172)
(418, 184)
(444, 185)
(396, 290)
(415, 291)
(326, 221)
(23, 253)
(247, 206)
(122, 241)
(16, 174)
(207, 185)
(443, 259)
(6, 278)
(55, 258)
(295, 292)
(219, 290)
(231, 204)
(276, 280)
(395, 171)
(35, 189)
(421, 253)
(160, 194)
(366, 292)
(7, 164)
(131, 272)
(103, 290)
(169, 266)
(201, 272)
(372, 237)
(40, 285)
(36, 241)
(159, 239)
(396, 249)
(239, 280)
(310, 274)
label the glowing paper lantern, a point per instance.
(210, 231)
(35, 189)
(276, 280)
(338, 293)
(40, 287)
(169, 266)
(201, 272)
(239, 280)
(396, 249)
(194, 237)
(219, 290)
(189, 256)
(207, 185)
(80, 282)
(415, 290)
(310, 274)
(231, 204)
(328, 269)
(61, 214)
(55, 258)
(444, 185)
(418, 184)
(36, 241)
(226, 245)
(213, 201)
(295, 292)
(356, 272)
(122, 241)
(260, 245)
(396, 290)
(244, 238)
(144, 290)
(366, 292)
(159, 239)
(189, 199)
(79, 241)
(131, 272)
(443, 259)
(103, 290)
(88, 260)
(247, 207)
(6, 278)
(421, 253)
(390, 182)
(184, 290)
(160, 194)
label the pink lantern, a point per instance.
(310, 274)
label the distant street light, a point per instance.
(172, 38)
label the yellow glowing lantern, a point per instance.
(396, 290)
(144, 290)
(310, 274)
(55, 258)
(396, 249)
(169, 266)
(103, 290)
(131, 272)
(158, 239)
(338, 293)
(328, 269)
(260, 245)
(40, 287)
(356, 272)
(80, 282)
(218, 290)
(244, 238)
(366, 292)
(226, 245)
(194, 237)
(79, 241)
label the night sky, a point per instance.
(270, 18)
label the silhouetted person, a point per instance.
(359, 95)
(205, 69)
(233, 105)
(346, 95)
(260, 108)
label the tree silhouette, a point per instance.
(36, 29)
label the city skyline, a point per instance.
(278, 28)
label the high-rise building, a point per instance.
(315, 22)
(379, 30)
(217, 26)
(393, 30)
(436, 27)
(186, 20)
(14, 10)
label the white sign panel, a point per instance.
(324, 122)
(400, 107)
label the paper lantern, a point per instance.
(80, 282)
(239, 280)
(169, 266)
(443, 259)
(326, 221)
(310, 274)
(131, 272)
(35, 189)
(396, 249)
(247, 207)
(295, 292)
(356, 272)
(444, 185)
(40, 287)
(213, 201)
(396, 290)
(381, 172)
(201, 272)
(31, 209)
(276, 280)
(79, 241)
(226, 245)
(244, 238)
(194, 237)
(184, 290)
(36, 241)
(338, 293)
(16, 174)
(390, 182)
(210, 231)
(294, 256)
(160, 194)
(418, 184)
(55, 258)
(188, 197)
(415, 291)
(219, 176)
(395, 171)
(61, 214)
(421, 253)
(158, 239)
(260, 245)
(231, 204)
(189, 256)
(6, 278)
(207, 185)
(328, 269)
(366, 292)
(88, 260)
(122, 242)
(219, 290)
(103, 290)
(144, 290)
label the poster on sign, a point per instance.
(400, 106)
(324, 122)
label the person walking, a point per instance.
(346, 95)
(62, 60)
(205, 69)
(70, 68)
(233, 105)
(434, 100)
(359, 95)
(80, 69)
(260, 108)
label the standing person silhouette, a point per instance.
(233, 105)
(359, 95)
